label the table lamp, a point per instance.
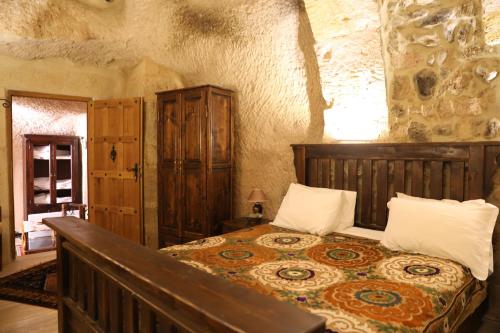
(257, 196)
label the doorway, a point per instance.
(48, 163)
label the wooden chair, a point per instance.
(71, 207)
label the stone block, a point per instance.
(425, 83)
(417, 132)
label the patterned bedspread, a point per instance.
(356, 284)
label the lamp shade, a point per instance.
(257, 195)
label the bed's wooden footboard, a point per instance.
(109, 284)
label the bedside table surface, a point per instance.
(242, 222)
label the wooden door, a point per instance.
(115, 166)
(193, 164)
(169, 135)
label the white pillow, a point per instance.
(346, 216)
(460, 232)
(304, 209)
(468, 202)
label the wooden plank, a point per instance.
(476, 173)
(352, 182)
(115, 309)
(436, 180)
(103, 303)
(313, 173)
(62, 273)
(81, 287)
(366, 194)
(457, 181)
(491, 165)
(146, 319)
(403, 151)
(326, 166)
(92, 297)
(130, 316)
(399, 177)
(339, 174)
(381, 193)
(417, 178)
(300, 163)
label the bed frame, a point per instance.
(112, 285)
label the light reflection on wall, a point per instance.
(349, 54)
(359, 112)
(491, 21)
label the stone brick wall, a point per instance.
(441, 76)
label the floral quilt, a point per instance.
(355, 283)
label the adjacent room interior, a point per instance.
(49, 165)
(233, 163)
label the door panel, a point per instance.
(221, 128)
(193, 161)
(193, 108)
(171, 128)
(115, 183)
(192, 219)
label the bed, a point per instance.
(113, 285)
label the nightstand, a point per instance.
(241, 223)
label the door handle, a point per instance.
(135, 169)
(112, 154)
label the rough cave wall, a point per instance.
(145, 80)
(49, 117)
(349, 55)
(53, 76)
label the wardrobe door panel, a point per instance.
(193, 218)
(193, 164)
(169, 113)
(193, 110)
(220, 125)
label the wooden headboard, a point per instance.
(460, 171)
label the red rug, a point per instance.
(36, 286)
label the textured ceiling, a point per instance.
(123, 32)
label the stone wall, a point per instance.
(441, 77)
(442, 80)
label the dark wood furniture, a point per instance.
(460, 171)
(52, 169)
(195, 162)
(241, 223)
(109, 283)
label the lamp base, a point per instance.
(257, 210)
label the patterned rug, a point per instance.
(36, 286)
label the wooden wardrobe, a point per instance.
(195, 162)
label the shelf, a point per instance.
(55, 163)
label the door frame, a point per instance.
(21, 93)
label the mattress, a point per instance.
(353, 282)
